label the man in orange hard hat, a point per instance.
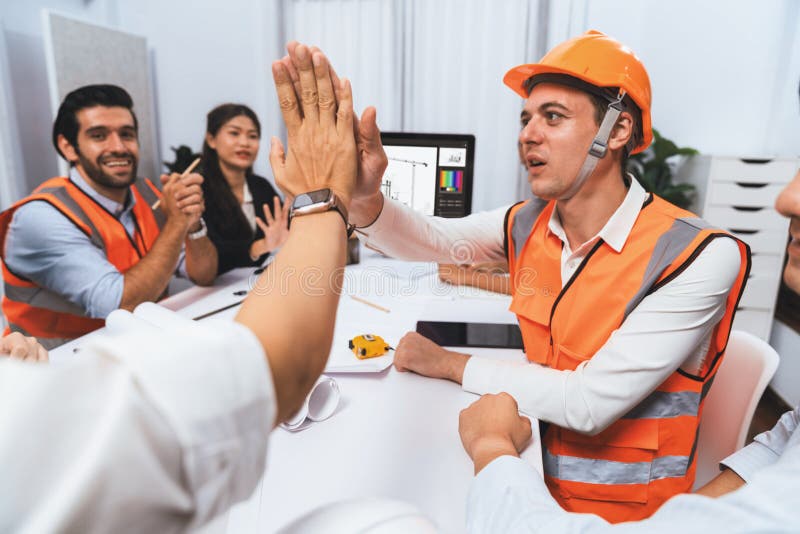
(757, 488)
(624, 300)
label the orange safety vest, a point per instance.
(36, 311)
(628, 470)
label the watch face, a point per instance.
(313, 197)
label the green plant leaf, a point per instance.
(653, 169)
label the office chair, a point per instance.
(747, 368)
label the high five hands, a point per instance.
(367, 199)
(318, 112)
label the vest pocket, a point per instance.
(567, 359)
(614, 465)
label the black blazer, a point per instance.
(235, 252)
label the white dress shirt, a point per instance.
(248, 208)
(670, 328)
(766, 448)
(146, 432)
(509, 497)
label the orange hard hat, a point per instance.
(596, 59)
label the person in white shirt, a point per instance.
(758, 488)
(155, 431)
(674, 333)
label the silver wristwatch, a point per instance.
(319, 201)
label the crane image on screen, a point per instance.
(410, 177)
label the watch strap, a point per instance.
(202, 232)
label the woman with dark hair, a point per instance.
(243, 211)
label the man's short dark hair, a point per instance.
(88, 96)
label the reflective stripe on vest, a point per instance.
(660, 404)
(668, 247)
(629, 469)
(595, 471)
(40, 312)
(523, 223)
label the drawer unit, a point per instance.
(756, 322)
(735, 217)
(739, 195)
(760, 291)
(775, 171)
(763, 241)
(745, 194)
(765, 263)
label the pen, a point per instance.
(371, 304)
(189, 169)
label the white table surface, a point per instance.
(394, 435)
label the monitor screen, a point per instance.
(431, 173)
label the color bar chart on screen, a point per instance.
(451, 181)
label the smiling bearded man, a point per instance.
(86, 244)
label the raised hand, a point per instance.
(275, 228)
(319, 122)
(372, 160)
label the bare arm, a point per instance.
(147, 280)
(201, 261)
(487, 276)
(725, 482)
(182, 202)
(302, 308)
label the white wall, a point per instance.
(433, 67)
(29, 97)
(207, 53)
(724, 72)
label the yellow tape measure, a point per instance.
(368, 346)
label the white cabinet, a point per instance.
(739, 195)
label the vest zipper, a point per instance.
(569, 284)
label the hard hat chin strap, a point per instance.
(598, 148)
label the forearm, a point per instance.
(365, 211)
(201, 261)
(508, 495)
(667, 330)
(766, 449)
(725, 482)
(403, 233)
(488, 450)
(299, 292)
(147, 280)
(488, 281)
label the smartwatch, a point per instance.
(319, 201)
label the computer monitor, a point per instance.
(431, 173)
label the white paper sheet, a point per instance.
(356, 318)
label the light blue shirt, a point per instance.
(508, 496)
(48, 249)
(766, 448)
